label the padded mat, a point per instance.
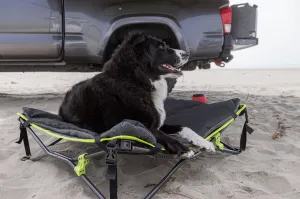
(202, 118)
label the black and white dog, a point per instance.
(132, 86)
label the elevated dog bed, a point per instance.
(131, 137)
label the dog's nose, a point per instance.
(185, 55)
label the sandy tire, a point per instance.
(204, 66)
(190, 66)
(171, 84)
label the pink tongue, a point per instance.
(170, 67)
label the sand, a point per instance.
(268, 169)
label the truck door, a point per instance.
(30, 30)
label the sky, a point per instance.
(278, 30)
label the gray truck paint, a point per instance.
(32, 30)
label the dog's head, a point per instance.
(150, 56)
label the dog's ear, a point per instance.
(135, 38)
(139, 40)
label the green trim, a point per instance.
(82, 162)
(126, 137)
(218, 142)
(122, 137)
(219, 129)
(54, 134)
(216, 134)
(244, 106)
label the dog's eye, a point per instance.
(161, 46)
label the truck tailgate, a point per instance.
(244, 26)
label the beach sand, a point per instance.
(268, 169)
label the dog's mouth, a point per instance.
(169, 68)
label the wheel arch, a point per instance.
(131, 22)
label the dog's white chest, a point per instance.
(158, 96)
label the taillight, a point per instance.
(226, 15)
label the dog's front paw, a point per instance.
(188, 155)
(173, 146)
(209, 146)
(196, 139)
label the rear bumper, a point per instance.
(239, 44)
(233, 44)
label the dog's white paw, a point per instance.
(188, 155)
(197, 140)
(209, 146)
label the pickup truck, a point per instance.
(58, 33)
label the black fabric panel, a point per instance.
(202, 118)
(36, 113)
(54, 123)
(131, 128)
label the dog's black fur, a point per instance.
(124, 90)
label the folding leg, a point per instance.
(24, 138)
(164, 180)
(70, 161)
(55, 142)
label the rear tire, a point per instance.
(192, 65)
(171, 84)
(204, 66)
